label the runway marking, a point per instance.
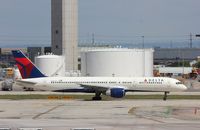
(150, 118)
(132, 112)
(40, 114)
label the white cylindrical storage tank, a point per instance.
(148, 69)
(117, 62)
(51, 65)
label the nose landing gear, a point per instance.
(165, 96)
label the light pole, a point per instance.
(143, 56)
(190, 40)
(93, 40)
(197, 35)
(143, 42)
(183, 62)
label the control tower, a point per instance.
(64, 28)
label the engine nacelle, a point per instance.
(116, 92)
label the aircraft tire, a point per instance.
(96, 98)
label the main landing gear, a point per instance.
(97, 96)
(165, 96)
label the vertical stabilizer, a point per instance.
(25, 66)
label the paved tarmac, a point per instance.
(63, 93)
(101, 115)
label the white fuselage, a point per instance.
(156, 84)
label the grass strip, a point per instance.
(89, 97)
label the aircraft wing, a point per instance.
(100, 87)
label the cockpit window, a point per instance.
(178, 83)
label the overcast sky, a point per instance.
(28, 21)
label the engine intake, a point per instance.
(116, 92)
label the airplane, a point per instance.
(116, 87)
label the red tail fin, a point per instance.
(25, 66)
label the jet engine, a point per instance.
(116, 92)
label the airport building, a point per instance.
(174, 71)
(164, 55)
(6, 58)
(64, 28)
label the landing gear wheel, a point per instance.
(97, 96)
(165, 96)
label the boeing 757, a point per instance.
(115, 87)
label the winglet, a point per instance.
(25, 66)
